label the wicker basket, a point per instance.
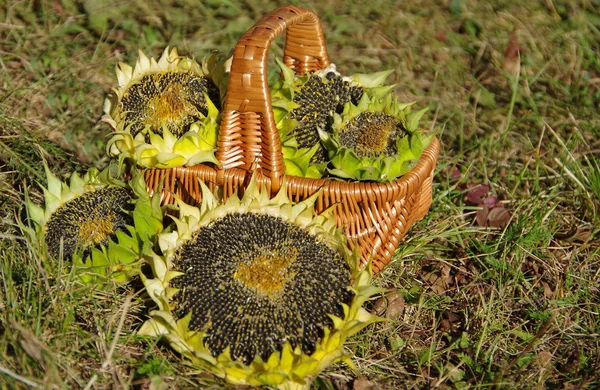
(375, 216)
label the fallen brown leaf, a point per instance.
(451, 323)
(548, 291)
(440, 280)
(391, 306)
(441, 36)
(363, 384)
(498, 217)
(491, 202)
(481, 216)
(452, 174)
(395, 308)
(574, 234)
(512, 54)
(545, 358)
(379, 306)
(32, 345)
(477, 192)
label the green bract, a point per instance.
(165, 113)
(97, 222)
(376, 140)
(303, 105)
(257, 291)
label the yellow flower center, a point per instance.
(374, 139)
(174, 100)
(267, 273)
(93, 231)
(372, 134)
(168, 107)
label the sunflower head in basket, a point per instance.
(376, 140)
(165, 113)
(257, 291)
(305, 104)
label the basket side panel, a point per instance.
(424, 197)
(181, 182)
(374, 216)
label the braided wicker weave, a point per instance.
(375, 216)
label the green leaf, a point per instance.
(54, 184)
(147, 224)
(525, 336)
(405, 106)
(413, 119)
(455, 6)
(397, 343)
(464, 340)
(286, 126)
(340, 173)
(201, 157)
(397, 169)
(485, 98)
(291, 168)
(288, 76)
(127, 240)
(119, 254)
(525, 359)
(280, 112)
(416, 145)
(372, 80)
(99, 259)
(36, 213)
(404, 148)
(149, 34)
(315, 171)
(156, 209)
(425, 356)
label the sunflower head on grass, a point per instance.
(97, 222)
(376, 140)
(257, 291)
(165, 113)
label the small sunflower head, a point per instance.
(97, 222)
(303, 105)
(165, 113)
(372, 134)
(88, 221)
(376, 140)
(256, 290)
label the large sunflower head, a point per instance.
(256, 290)
(376, 140)
(165, 113)
(305, 104)
(97, 222)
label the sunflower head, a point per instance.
(256, 290)
(165, 113)
(303, 105)
(376, 140)
(97, 222)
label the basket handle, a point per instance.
(248, 137)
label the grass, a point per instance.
(471, 306)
